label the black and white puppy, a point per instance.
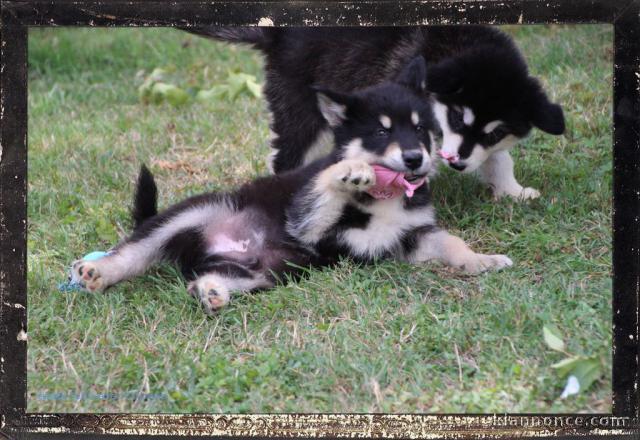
(312, 216)
(486, 101)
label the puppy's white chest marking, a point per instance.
(388, 222)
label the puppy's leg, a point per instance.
(144, 247)
(497, 172)
(126, 261)
(319, 207)
(297, 126)
(213, 290)
(284, 157)
(453, 251)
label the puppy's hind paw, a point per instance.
(481, 263)
(209, 292)
(86, 273)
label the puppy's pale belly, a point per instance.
(237, 237)
(250, 237)
(222, 243)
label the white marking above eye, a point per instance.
(415, 118)
(468, 117)
(385, 121)
(491, 126)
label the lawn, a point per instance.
(387, 338)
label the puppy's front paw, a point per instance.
(529, 194)
(480, 263)
(211, 294)
(518, 193)
(86, 273)
(354, 175)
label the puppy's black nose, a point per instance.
(457, 166)
(412, 159)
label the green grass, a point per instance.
(392, 337)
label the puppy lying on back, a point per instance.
(352, 203)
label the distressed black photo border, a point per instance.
(17, 16)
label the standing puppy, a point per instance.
(367, 200)
(486, 101)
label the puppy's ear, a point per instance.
(333, 105)
(414, 75)
(550, 118)
(544, 114)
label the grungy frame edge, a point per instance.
(17, 16)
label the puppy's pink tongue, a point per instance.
(391, 184)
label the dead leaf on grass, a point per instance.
(176, 165)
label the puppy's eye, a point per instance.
(420, 128)
(382, 132)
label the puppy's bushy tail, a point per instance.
(145, 200)
(258, 37)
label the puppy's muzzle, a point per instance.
(412, 159)
(451, 158)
